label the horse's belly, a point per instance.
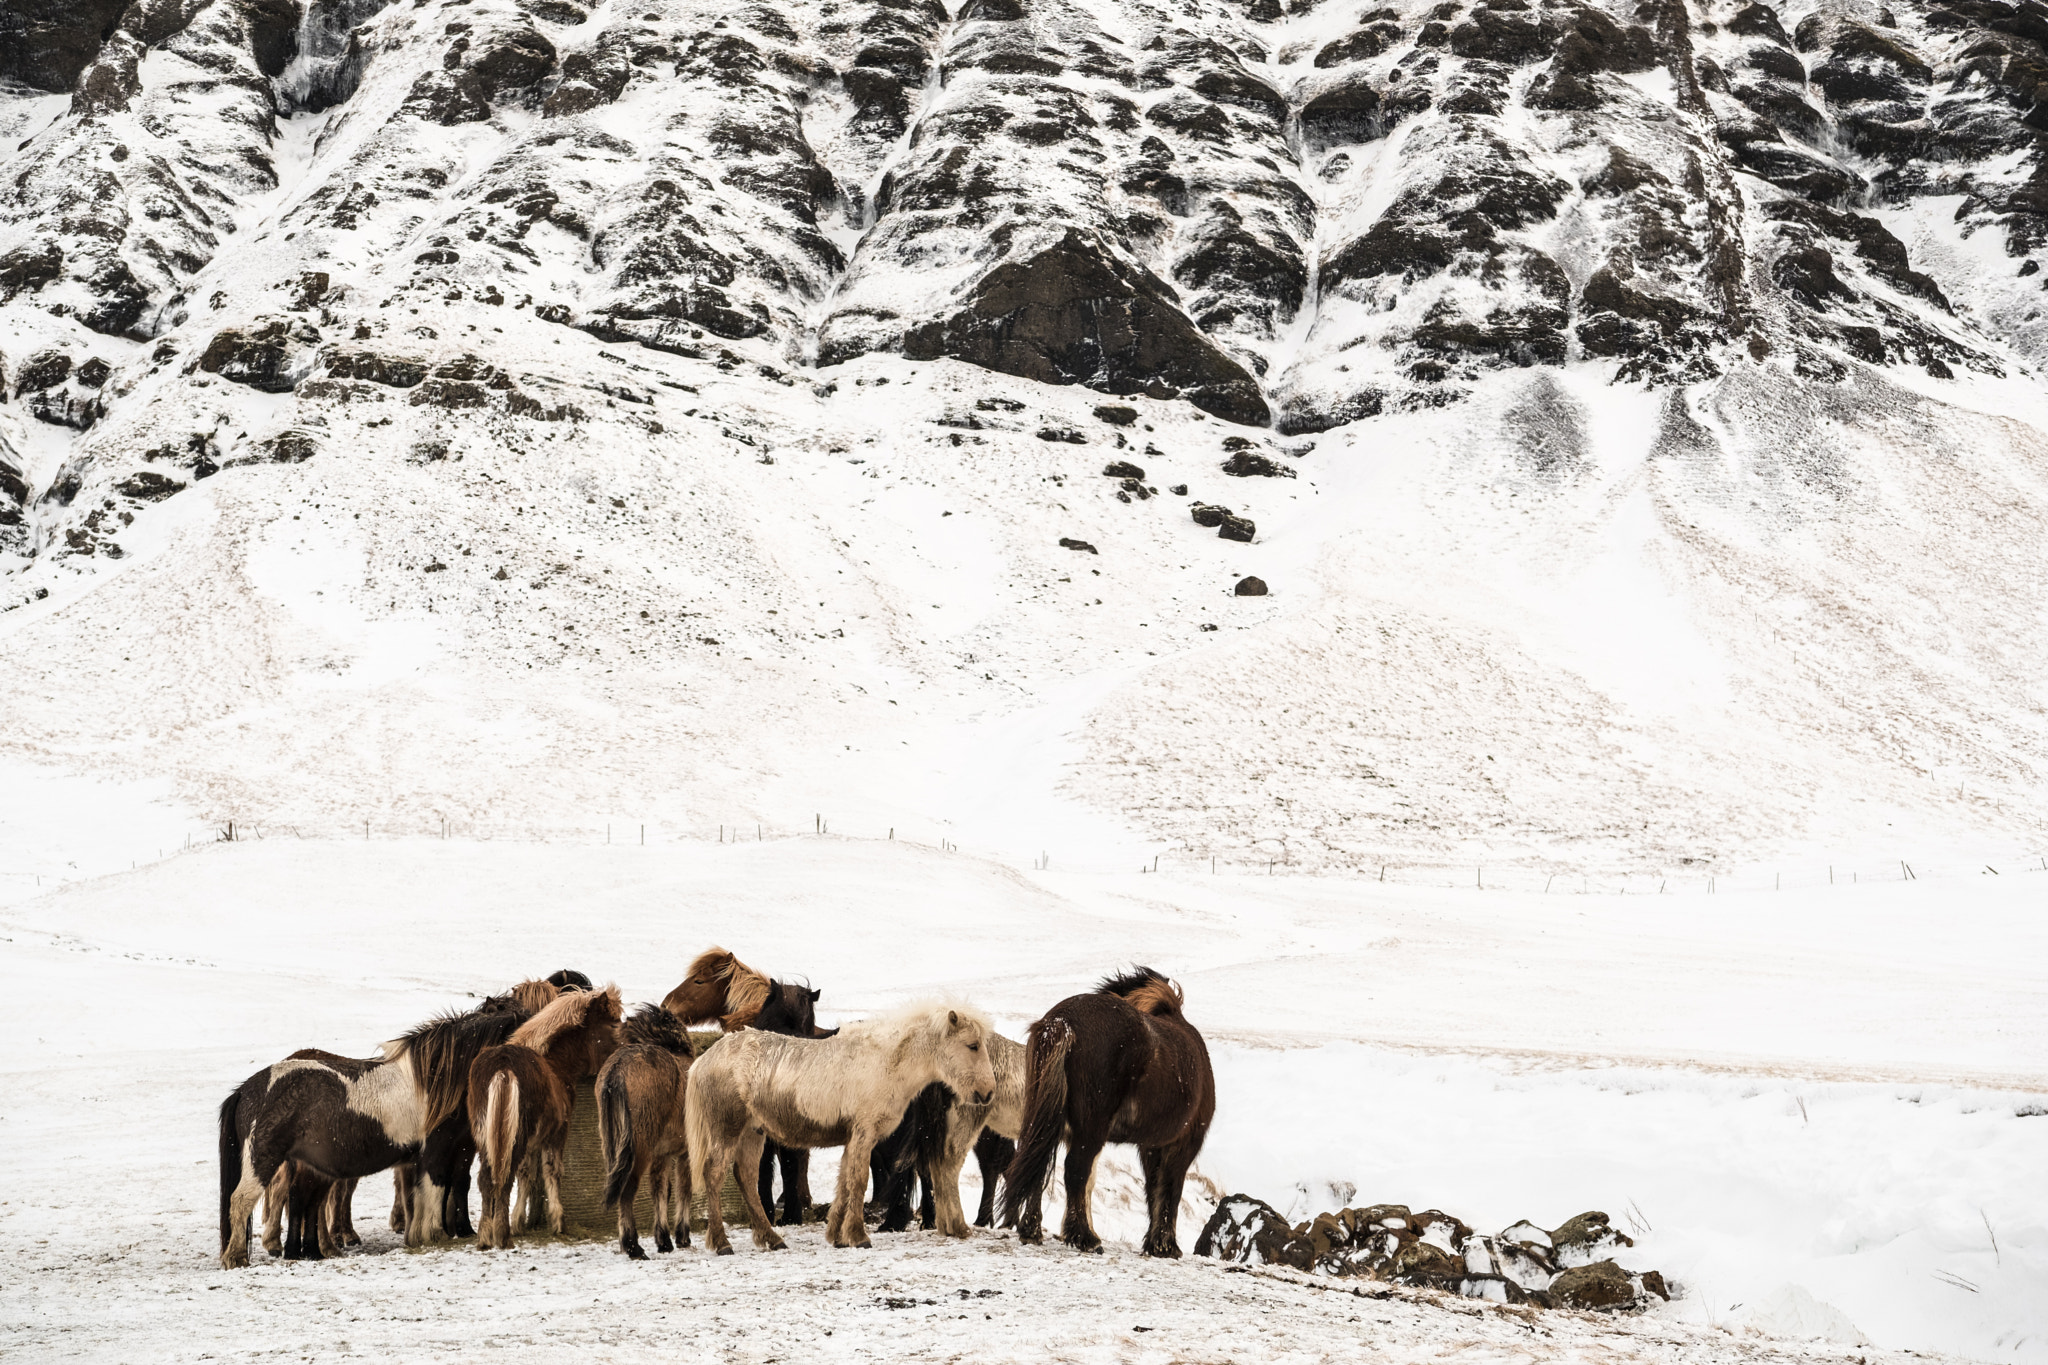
(789, 1125)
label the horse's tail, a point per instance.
(230, 1162)
(501, 1128)
(1045, 1113)
(615, 1136)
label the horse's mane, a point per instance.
(917, 1013)
(1145, 990)
(442, 1049)
(746, 990)
(535, 995)
(563, 1014)
(653, 1026)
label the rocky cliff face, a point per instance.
(239, 233)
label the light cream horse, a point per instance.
(845, 1091)
(1003, 1114)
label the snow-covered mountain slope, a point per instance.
(517, 411)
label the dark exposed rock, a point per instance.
(1602, 1284)
(1236, 528)
(1066, 435)
(1248, 464)
(1122, 469)
(1342, 115)
(259, 356)
(1117, 415)
(147, 486)
(1205, 514)
(1069, 543)
(1076, 313)
(475, 74)
(1366, 43)
(1250, 587)
(356, 363)
(47, 43)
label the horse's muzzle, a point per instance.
(984, 1096)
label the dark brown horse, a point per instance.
(520, 1096)
(1120, 1064)
(640, 1127)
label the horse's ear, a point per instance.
(952, 1019)
(814, 996)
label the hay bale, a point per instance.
(583, 1171)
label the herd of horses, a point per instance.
(907, 1097)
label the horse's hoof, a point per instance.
(634, 1252)
(725, 1251)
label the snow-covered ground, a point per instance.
(1821, 1111)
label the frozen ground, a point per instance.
(1822, 1110)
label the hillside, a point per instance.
(525, 415)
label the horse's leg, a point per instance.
(992, 1154)
(796, 1185)
(242, 1202)
(658, 1195)
(1163, 1238)
(345, 1233)
(1075, 1229)
(629, 1194)
(327, 1218)
(455, 1216)
(766, 1238)
(679, 1198)
(275, 1195)
(707, 1170)
(302, 1217)
(487, 1218)
(771, 1153)
(551, 1182)
(847, 1225)
(401, 1194)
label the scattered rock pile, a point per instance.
(1570, 1266)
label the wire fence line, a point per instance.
(1392, 870)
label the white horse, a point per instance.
(847, 1091)
(1003, 1114)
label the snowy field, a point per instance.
(1821, 1111)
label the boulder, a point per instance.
(1207, 514)
(1077, 313)
(1122, 469)
(1250, 586)
(1603, 1284)
(1069, 543)
(1237, 528)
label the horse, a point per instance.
(905, 1158)
(520, 1095)
(238, 1114)
(451, 1146)
(718, 987)
(844, 1091)
(1120, 1064)
(340, 1126)
(640, 1126)
(988, 1130)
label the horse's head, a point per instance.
(963, 1058)
(791, 1009)
(569, 979)
(601, 1028)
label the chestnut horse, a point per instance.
(520, 1096)
(848, 1090)
(1120, 1064)
(719, 987)
(640, 1126)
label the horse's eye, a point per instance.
(974, 1047)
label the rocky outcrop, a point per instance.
(1073, 313)
(1570, 1267)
